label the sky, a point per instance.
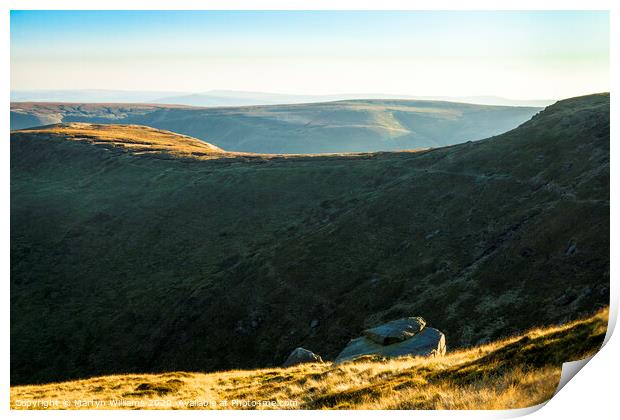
(513, 54)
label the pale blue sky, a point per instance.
(525, 55)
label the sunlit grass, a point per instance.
(516, 372)
(136, 139)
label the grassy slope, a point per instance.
(125, 262)
(516, 372)
(137, 140)
(140, 140)
(345, 126)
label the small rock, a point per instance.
(301, 355)
(374, 280)
(314, 323)
(603, 290)
(565, 299)
(432, 234)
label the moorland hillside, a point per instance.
(330, 127)
(126, 261)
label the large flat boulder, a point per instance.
(395, 331)
(301, 355)
(428, 342)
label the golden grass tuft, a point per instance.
(516, 372)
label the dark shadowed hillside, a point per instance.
(331, 127)
(124, 261)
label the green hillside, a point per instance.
(133, 262)
(331, 127)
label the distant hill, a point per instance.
(332, 127)
(238, 98)
(88, 95)
(220, 98)
(128, 261)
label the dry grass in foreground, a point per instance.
(513, 373)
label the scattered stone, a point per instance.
(395, 331)
(374, 280)
(603, 290)
(565, 299)
(432, 234)
(301, 355)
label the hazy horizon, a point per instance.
(264, 91)
(217, 97)
(517, 55)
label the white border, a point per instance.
(592, 394)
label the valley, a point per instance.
(139, 250)
(329, 127)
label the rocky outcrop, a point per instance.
(406, 336)
(301, 355)
(395, 331)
